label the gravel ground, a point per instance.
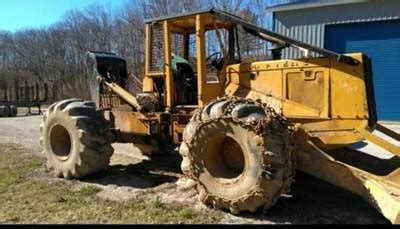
(132, 174)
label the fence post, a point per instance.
(26, 91)
(46, 93)
(54, 92)
(32, 91)
(16, 86)
(10, 97)
(37, 92)
(5, 91)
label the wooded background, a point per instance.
(55, 55)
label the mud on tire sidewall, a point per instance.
(235, 188)
(64, 120)
(269, 164)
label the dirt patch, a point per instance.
(22, 130)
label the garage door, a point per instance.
(381, 42)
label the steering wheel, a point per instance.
(215, 60)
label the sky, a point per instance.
(20, 14)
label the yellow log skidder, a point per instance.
(242, 128)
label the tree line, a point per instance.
(56, 54)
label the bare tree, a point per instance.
(56, 54)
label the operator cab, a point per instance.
(186, 56)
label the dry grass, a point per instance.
(24, 198)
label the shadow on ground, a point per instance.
(146, 174)
(315, 201)
(312, 201)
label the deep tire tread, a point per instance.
(95, 150)
(282, 162)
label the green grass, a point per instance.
(157, 203)
(33, 164)
(26, 198)
(187, 213)
(13, 168)
(88, 190)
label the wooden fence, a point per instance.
(22, 92)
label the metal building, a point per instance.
(369, 26)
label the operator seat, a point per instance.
(185, 84)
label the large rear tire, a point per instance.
(240, 153)
(75, 139)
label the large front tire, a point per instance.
(75, 139)
(240, 155)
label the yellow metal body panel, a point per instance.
(169, 79)
(300, 87)
(348, 91)
(148, 84)
(134, 123)
(201, 57)
(326, 97)
(147, 80)
(130, 122)
(147, 50)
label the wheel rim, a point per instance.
(60, 142)
(224, 158)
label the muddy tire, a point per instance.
(239, 153)
(75, 139)
(13, 111)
